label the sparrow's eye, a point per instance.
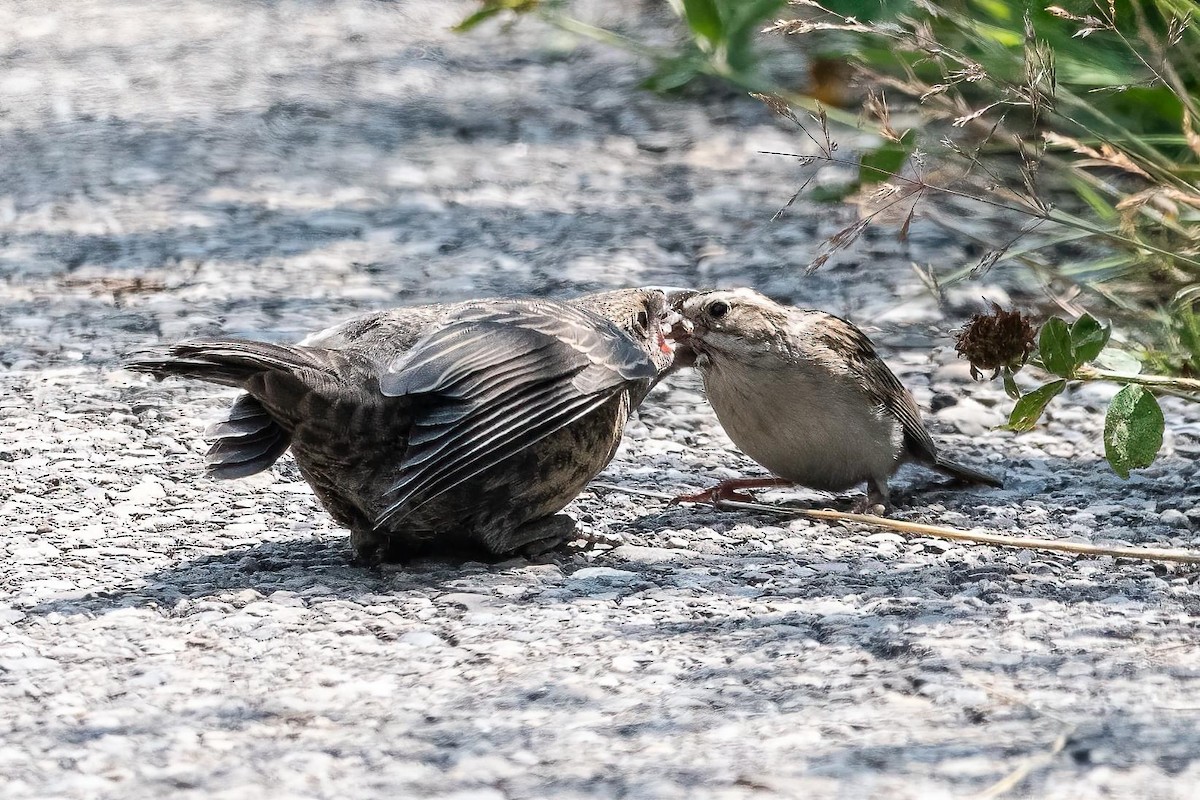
(642, 321)
(718, 309)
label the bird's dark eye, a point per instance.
(642, 321)
(718, 309)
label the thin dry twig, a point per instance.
(1053, 215)
(938, 531)
(1025, 768)
(1039, 92)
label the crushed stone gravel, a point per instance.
(191, 167)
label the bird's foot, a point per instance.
(541, 536)
(728, 490)
(715, 496)
(867, 505)
(593, 538)
(876, 501)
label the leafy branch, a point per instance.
(1075, 353)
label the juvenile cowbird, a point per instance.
(804, 394)
(452, 429)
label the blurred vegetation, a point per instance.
(1082, 117)
(718, 38)
(1101, 100)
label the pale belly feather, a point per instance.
(810, 428)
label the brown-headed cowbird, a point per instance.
(452, 429)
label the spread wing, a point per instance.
(880, 383)
(496, 379)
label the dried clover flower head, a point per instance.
(996, 340)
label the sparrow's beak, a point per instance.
(677, 327)
(681, 329)
(682, 342)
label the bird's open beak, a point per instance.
(682, 341)
(670, 322)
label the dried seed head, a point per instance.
(996, 340)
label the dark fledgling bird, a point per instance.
(804, 394)
(451, 429)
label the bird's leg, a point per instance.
(539, 536)
(369, 546)
(877, 500)
(728, 490)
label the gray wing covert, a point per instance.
(496, 379)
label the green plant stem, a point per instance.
(602, 35)
(842, 116)
(1103, 186)
(1185, 386)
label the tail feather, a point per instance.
(244, 428)
(964, 473)
(227, 362)
(250, 438)
(247, 441)
(236, 458)
(239, 465)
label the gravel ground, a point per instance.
(265, 169)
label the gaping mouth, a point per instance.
(671, 328)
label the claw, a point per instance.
(728, 490)
(593, 538)
(869, 505)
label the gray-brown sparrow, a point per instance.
(804, 394)
(450, 428)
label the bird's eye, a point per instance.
(718, 309)
(642, 321)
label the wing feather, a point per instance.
(247, 441)
(880, 383)
(496, 379)
(438, 477)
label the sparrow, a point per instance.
(804, 394)
(457, 429)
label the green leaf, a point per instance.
(672, 73)
(880, 164)
(491, 8)
(476, 18)
(1187, 325)
(1118, 361)
(1054, 345)
(704, 19)
(1029, 408)
(1088, 338)
(832, 193)
(1133, 430)
(1010, 385)
(742, 21)
(1104, 210)
(747, 15)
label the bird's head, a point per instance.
(739, 324)
(648, 315)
